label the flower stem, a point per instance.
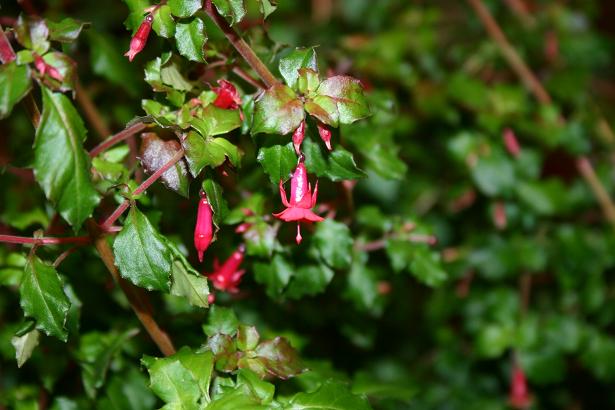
(45, 240)
(114, 139)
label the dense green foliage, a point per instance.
(460, 239)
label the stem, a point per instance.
(140, 189)
(63, 256)
(588, 173)
(114, 139)
(241, 73)
(519, 8)
(240, 45)
(33, 111)
(137, 297)
(82, 240)
(90, 111)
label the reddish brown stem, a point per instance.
(82, 240)
(63, 256)
(241, 73)
(90, 111)
(117, 138)
(240, 45)
(140, 189)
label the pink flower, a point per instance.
(298, 136)
(302, 199)
(140, 38)
(519, 396)
(227, 277)
(511, 143)
(228, 97)
(325, 135)
(203, 231)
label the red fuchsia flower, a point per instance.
(227, 277)
(243, 227)
(140, 38)
(45, 68)
(519, 397)
(325, 135)
(298, 136)
(203, 231)
(228, 97)
(302, 199)
(511, 143)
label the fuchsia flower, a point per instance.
(227, 277)
(140, 38)
(511, 142)
(45, 68)
(298, 136)
(228, 97)
(203, 231)
(325, 135)
(519, 396)
(302, 199)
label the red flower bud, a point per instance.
(298, 136)
(325, 135)
(228, 97)
(243, 227)
(519, 396)
(203, 231)
(499, 215)
(302, 199)
(45, 68)
(511, 143)
(227, 277)
(140, 38)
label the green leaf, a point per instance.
(236, 399)
(221, 320)
(261, 239)
(233, 10)
(308, 82)
(362, 285)
(278, 161)
(342, 166)
(273, 358)
(257, 387)
(163, 23)
(216, 200)
(215, 121)
(331, 395)
(125, 391)
(277, 111)
(32, 33)
(190, 38)
(15, 83)
(155, 153)
(186, 284)
(42, 298)
(333, 242)
(66, 183)
(324, 108)
(247, 338)
(208, 152)
(427, 268)
(24, 346)
(184, 8)
(298, 58)
(275, 275)
(348, 95)
(66, 30)
(137, 13)
(141, 253)
(200, 365)
(309, 280)
(494, 175)
(267, 7)
(173, 383)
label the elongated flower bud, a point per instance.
(519, 397)
(298, 136)
(203, 231)
(325, 135)
(511, 142)
(140, 38)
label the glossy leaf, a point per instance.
(221, 320)
(155, 153)
(173, 383)
(233, 10)
(66, 30)
(190, 38)
(208, 152)
(298, 58)
(15, 83)
(348, 95)
(278, 161)
(24, 345)
(333, 241)
(309, 280)
(277, 111)
(216, 200)
(331, 395)
(274, 275)
(163, 23)
(184, 8)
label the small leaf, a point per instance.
(259, 388)
(298, 58)
(163, 23)
(190, 38)
(141, 254)
(173, 383)
(61, 165)
(261, 239)
(323, 108)
(233, 10)
(108, 62)
(137, 12)
(194, 288)
(215, 121)
(247, 338)
(278, 161)
(309, 280)
(348, 95)
(277, 111)
(274, 357)
(24, 346)
(155, 153)
(216, 200)
(275, 275)
(15, 83)
(308, 82)
(66, 30)
(342, 166)
(221, 320)
(32, 33)
(208, 152)
(362, 286)
(200, 365)
(267, 7)
(184, 8)
(331, 395)
(42, 298)
(333, 241)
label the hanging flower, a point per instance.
(138, 41)
(302, 199)
(227, 277)
(519, 396)
(298, 136)
(325, 135)
(203, 231)
(227, 96)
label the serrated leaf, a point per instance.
(163, 23)
(208, 152)
(247, 338)
(141, 254)
(233, 10)
(173, 383)
(184, 8)
(323, 108)
(190, 38)
(278, 161)
(309, 280)
(331, 395)
(15, 83)
(298, 58)
(24, 346)
(193, 288)
(221, 320)
(274, 275)
(257, 387)
(42, 298)
(61, 165)
(342, 166)
(200, 365)
(216, 200)
(273, 358)
(348, 95)
(32, 32)
(277, 111)
(155, 153)
(333, 241)
(65, 31)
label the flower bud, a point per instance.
(325, 135)
(203, 231)
(511, 143)
(140, 38)
(298, 136)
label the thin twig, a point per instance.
(140, 189)
(90, 111)
(63, 256)
(117, 138)
(139, 302)
(588, 173)
(44, 240)
(240, 45)
(519, 8)
(241, 73)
